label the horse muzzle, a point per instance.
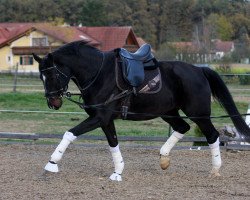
(54, 102)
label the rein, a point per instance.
(124, 94)
(111, 99)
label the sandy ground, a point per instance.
(85, 171)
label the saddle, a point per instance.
(134, 64)
(138, 71)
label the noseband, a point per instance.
(62, 89)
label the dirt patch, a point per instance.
(85, 171)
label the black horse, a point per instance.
(184, 87)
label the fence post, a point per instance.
(15, 78)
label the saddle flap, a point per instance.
(134, 75)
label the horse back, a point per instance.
(187, 82)
(184, 75)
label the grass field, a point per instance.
(54, 122)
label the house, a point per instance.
(19, 40)
(196, 53)
(222, 48)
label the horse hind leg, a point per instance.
(212, 137)
(180, 127)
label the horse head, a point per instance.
(55, 78)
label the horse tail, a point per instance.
(221, 93)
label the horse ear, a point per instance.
(37, 58)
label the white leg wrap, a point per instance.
(215, 152)
(68, 137)
(118, 162)
(172, 140)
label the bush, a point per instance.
(244, 79)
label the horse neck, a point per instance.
(87, 67)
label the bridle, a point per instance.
(62, 89)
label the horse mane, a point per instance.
(73, 48)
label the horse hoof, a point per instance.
(214, 173)
(115, 177)
(51, 167)
(164, 162)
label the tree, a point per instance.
(93, 13)
(28, 10)
(242, 46)
(166, 52)
(70, 10)
(240, 21)
(224, 28)
(172, 21)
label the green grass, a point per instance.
(239, 70)
(59, 123)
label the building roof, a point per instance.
(110, 37)
(223, 46)
(3, 34)
(105, 38)
(192, 47)
(11, 30)
(185, 46)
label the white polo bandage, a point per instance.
(172, 140)
(215, 152)
(68, 137)
(117, 159)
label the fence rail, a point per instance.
(228, 145)
(42, 111)
(36, 136)
(33, 83)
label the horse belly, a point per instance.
(149, 107)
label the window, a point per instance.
(39, 42)
(26, 60)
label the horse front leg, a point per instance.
(110, 133)
(69, 136)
